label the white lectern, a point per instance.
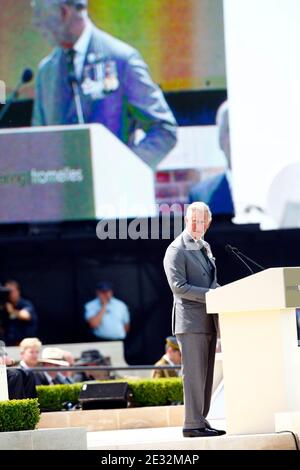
(261, 358)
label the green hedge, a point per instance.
(156, 392)
(19, 415)
(147, 392)
(52, 397)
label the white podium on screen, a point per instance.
(73, 172)
(121, 179)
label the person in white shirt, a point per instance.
(107, 316)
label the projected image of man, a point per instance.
(216, 191)
(115, 87)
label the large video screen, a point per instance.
(252, 174)
(49, 173)
(182, 41)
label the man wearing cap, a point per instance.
(191, 272)
(92, 357)
(107, 316)
(54, 357)
(115, 87)
(172, 357)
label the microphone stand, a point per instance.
(70, 55)
(27, 76)
(11, 99)
(76, 93)
(241, 259)
(249, 259)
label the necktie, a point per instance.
(204, 252)
(70, 56)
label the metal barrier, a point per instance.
(99, 368)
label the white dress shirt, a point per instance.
(24, 365)
(81, 48)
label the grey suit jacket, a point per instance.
(136, 103)
(190, 279)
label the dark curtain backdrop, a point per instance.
(59, 268)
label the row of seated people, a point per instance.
(23, 380)
(30, 349)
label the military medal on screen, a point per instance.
(111, 82)
(100, 77)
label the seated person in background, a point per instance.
(68, 356)
(216, 191)
(107, 316)
(54, 357)
(172, 357)
(20, 383)
(92, 357)
(21, 320)
(29, 352)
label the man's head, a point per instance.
(198, 219)
(69, 357)
(53, 357)
(172, 350)
(93, 357)
(61, 21)
(104, 291)
(30, 350)
(222, 121)
(15, 291)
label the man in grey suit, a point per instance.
(92, 77)
(191, 273)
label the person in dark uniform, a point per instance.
(21, 318)
(20, 383)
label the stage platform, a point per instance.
(160, 428)
(171, 439)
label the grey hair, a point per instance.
(198, 206)
(78, 4)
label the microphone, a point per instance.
(234, 251)
(230, 248)
(27, 76)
